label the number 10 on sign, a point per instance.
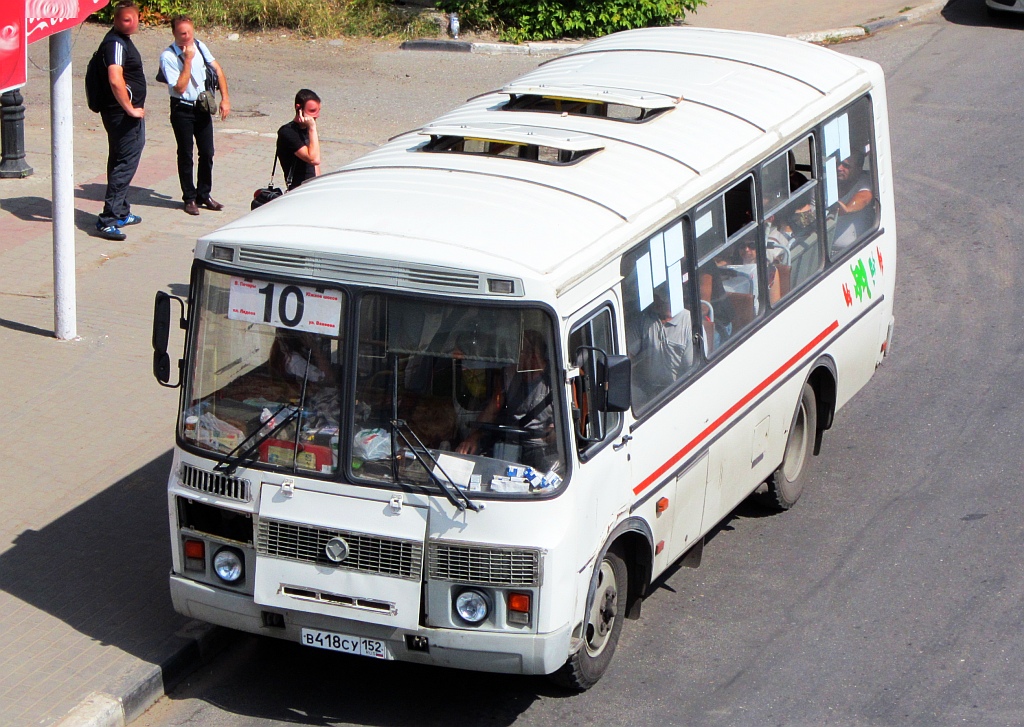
(285, 305)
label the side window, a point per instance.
(848, 169)
(591, 425)
(792, 241)
(658, 311)
(729, 283)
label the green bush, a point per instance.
(309, 17)
(521, 20)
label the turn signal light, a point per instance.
(519, 608)
(661, 506)
(195, 549)
(519, 602)
(195, 555)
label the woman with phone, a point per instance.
(298, 145)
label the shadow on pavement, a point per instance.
(25, 328)
(281, 682)
(976, 13)
(141, 196)
(39, 209)
(102, 567)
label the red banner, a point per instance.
(46, 17)
(13, 46)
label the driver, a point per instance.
(524, 404)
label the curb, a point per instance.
(139, 690)
(859, 31)
(558, 47)
(552, 48)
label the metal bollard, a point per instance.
(12, 136)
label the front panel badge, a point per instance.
(336, 550)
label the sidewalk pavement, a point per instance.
(88, 636)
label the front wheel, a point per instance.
(787, 482)
(602, 628)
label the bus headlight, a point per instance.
(471, 606)
(227, 564)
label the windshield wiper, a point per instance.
(452, 491)
(447, 486)
(249, 446)
(245, 449)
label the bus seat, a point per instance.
(707, 319)
(805, 261)
(784, 272)
(742, 309)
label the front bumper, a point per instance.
(457, 648)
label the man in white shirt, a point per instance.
(186, 66)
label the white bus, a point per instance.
(462, 401)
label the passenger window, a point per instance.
(792, 241)
(591, 425)
(729, 285)
(848, 168)
(658, 309)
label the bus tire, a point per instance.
(601, 630)
(787, 482)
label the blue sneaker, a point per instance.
(129, 219)
(110, 232)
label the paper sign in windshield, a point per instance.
(285, 305)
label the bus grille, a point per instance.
(214, 483)
(484, 566)
(367, 553)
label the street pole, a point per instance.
(12, 136)
(62, 143)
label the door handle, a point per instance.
(622, 442)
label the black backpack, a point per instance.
(98, 95)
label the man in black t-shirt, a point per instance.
(298, 145)
(123, 119)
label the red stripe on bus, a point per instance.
(734, 408)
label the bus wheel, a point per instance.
(601, 630)
(787, 482)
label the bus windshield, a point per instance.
(466, 391)
(474, 384)
(266, 352)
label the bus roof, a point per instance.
(714, 99)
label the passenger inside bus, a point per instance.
(661, 349)
(856, 210)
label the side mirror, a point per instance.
(161, 333)
(617, 379)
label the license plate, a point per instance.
(348, 644)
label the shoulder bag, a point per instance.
(269, 193)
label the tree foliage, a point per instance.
(522, 20)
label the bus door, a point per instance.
(604, 468)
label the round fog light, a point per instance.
(471, 606)
(227, 564)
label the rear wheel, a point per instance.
(787, 483)
(602, 628)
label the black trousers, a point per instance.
(126, 137)
(188, 122)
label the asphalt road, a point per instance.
(893, 593)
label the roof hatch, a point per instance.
(548, 146)
(618, 104)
